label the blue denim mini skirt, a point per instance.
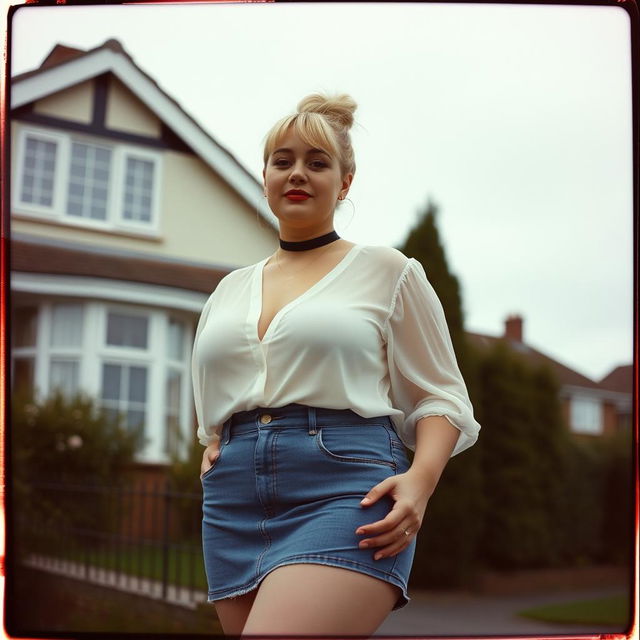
(286, 489)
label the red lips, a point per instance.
(297, 195)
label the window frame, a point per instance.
(115, 220)
(94, 352)
(578, 409)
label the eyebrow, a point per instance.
(308, 152)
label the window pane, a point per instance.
(23, 326)
(127, 331)
(138, 384)
(38, 171)
(63, 375)
(135, 419)
(22, 375)
(66, 325)
(137, 191)
(89, 175)
(176, 340)
(586, 415)
(111, 381)
(124, 390)
(172, 410)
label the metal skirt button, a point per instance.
(265, 418)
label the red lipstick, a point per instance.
(297, 195)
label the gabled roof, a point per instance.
(620, 379)
(66, 66)
(565, 375)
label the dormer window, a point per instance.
(88, 193)
(71, 179)
(38, 171)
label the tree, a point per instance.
(423, 243)
(446, 549)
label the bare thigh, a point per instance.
(316, 599)
(233, 612)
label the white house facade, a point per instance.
(125, 214)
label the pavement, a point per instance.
(467, 614)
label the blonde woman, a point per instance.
(312, 370)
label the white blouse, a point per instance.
(370, 336)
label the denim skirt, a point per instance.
(286, 489)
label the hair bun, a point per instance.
(339, 108)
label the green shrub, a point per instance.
(66, 441)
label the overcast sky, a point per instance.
(514, 119)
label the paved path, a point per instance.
(467, 614)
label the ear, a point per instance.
(264, 182)
(346, 184)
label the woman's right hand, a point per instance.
(209, 456)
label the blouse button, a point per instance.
(265, 418)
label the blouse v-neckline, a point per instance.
(257, 298)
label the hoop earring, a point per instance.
(259, 219)
(353, 211)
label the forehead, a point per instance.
(293, 142)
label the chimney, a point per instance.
(513, 328)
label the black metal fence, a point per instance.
(143, 538)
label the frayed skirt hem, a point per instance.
(233, 592)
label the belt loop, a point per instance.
(312, 421)
(226, 432)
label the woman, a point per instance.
(311, 369)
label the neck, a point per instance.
(300, 235)
(309, 243)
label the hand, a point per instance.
(209, 456)
(411, 495)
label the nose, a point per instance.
(297, 174)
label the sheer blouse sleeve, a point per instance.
(424, 375)
(197, 376)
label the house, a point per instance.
(125, 214)
(588, 407)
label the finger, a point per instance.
(393, 549)
(212, 451)
(390, 536)
(209, 456)
(378, 491)
(389, 522)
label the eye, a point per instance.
(280, 162)
(318, 164)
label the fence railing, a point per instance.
(144, 538)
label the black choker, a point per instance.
(314, 243)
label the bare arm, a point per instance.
(436, 438)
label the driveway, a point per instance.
(466, 614)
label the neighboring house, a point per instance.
(588, 407)
(125, 214)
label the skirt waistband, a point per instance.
(296, 416)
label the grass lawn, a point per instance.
(612, 610)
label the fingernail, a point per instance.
(365, 500)
(378, 556)
(359, 532)
(364, 545)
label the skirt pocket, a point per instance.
(357, 444)
(210, 470)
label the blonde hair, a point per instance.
(323, 122)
